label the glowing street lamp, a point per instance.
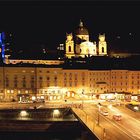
(56, 113)
(24, 113)
(136, 108)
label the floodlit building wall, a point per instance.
(18, 80)
(76, 80)
(134, 82)
(47, 81)
(99, 81)
(119, 81)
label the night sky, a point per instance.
(37, 24)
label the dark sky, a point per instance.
(34, 24)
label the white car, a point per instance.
(105, 113)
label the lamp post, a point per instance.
(82, 98)
(99, 106)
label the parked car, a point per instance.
(117, 117)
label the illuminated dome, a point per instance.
(81, 30)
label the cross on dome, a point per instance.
(81, 23)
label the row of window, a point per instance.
(100, 73)
(121, 77)
(19, 91)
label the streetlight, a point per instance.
(82, 98)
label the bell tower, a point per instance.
(102, 46)
(69, 44)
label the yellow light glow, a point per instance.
(51, 98)
(23, 113)
(54, 97)
(56, 113)
(109, 106)
(136, 108)
(8, 91)
(59, 97)
(33, 98)
(72, 95)
(90, 97)
(12, 91)
(42, 97)
(68, 94)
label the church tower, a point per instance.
(69, 46)
(102, 47)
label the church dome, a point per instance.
(81, 30)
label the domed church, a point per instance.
(79, 45)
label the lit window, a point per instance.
(12, 91)
(26, 91)
(8, 91)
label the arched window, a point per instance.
(80, 50)
(69, 48)
(102, 49)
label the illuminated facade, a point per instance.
(80, 45)
(47, 82)
(26, 61)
